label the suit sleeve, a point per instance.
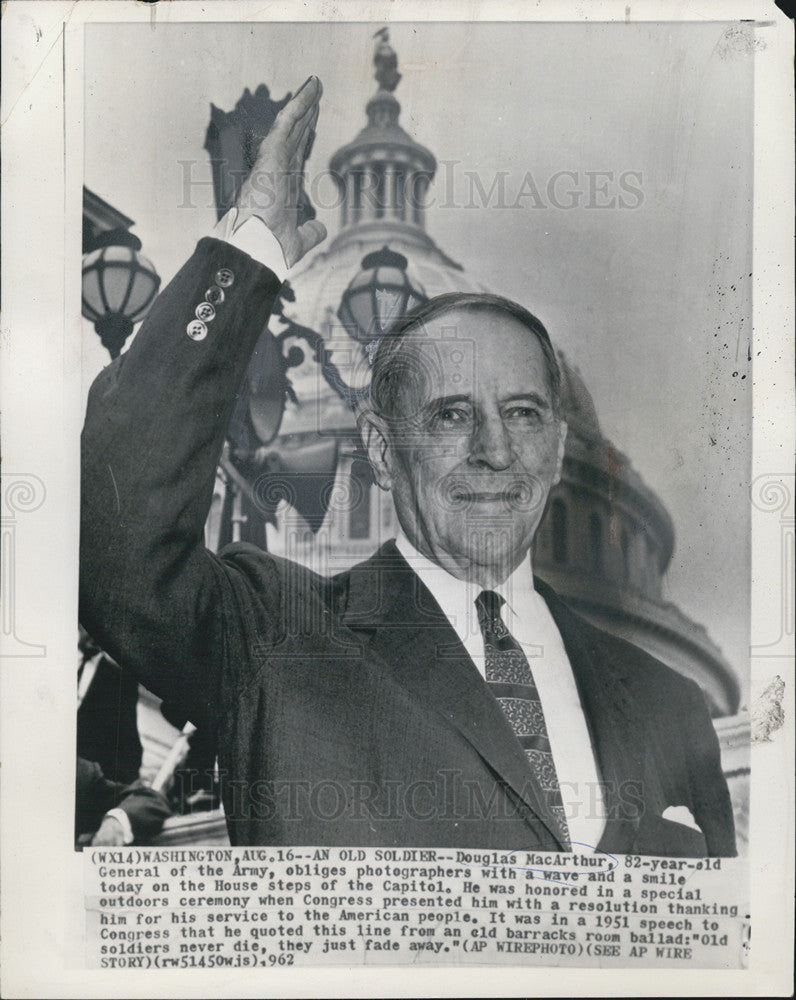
(152, 595)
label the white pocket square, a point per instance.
(682, 815)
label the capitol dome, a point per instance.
(606, 539)
(577, 403)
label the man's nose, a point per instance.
(491, 445)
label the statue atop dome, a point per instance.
(386, 62)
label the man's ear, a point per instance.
(562, 444)
(376, 440)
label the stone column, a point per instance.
(389, 191)
(369, 193)
(350, 207)
(419, 189)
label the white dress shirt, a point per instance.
(528, 618)
(254, 238)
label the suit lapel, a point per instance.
(613, 719)
(409, 633)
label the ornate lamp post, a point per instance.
(233, 139)
(119, 286)
(377, 296)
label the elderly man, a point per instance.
(435, 695)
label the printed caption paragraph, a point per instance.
(249, 907)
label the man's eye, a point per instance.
(524, 414)
(451, 417)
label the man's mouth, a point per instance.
(517, 496)
(481, 497)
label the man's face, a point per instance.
(474, 446)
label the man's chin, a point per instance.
(495, 564)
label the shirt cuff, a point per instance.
(254, 238)
(124, 821)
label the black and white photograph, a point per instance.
(396, 491)
(416, 506)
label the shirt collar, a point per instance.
(457, 597)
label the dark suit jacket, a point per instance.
(107, 723)
(347, 711)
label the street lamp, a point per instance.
(378, 295)
(119, 286)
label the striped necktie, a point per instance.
(510, 679)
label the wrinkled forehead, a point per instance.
(469, 352)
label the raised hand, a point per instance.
(273, 188)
